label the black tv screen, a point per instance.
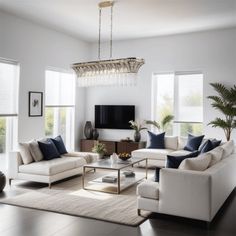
(113, 116)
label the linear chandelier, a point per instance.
(120, 72)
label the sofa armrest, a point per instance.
(185, 193)
(13, 163)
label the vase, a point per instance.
(95, 134)
(137, 136)
(88, 130)
(101, 155)
(2, 181)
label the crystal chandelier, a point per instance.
(121, 72)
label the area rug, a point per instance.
(67, 197)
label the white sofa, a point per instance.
(187, 193)
(157, 157)
(44, 171)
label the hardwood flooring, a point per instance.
(18, 221)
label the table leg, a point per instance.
(118, 182)
(146, 168)
(83, 176)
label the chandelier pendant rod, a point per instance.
(111, 33)
(99, 33)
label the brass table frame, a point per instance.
(137, 161)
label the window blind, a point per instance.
(59, 89)
(9, 80)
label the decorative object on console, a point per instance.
(35, 104)
(2, 181)
(225, 102)
(99, 148)
(95, 134)
(88, 130)
(164, 123)
(137, 127)
(107, 72)
(157, 141)
(193, 142)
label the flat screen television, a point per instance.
(114, 116)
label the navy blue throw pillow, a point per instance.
(48, 149)
(215, 142)
(193, 142)
(175, 161)
(206, 147)
(157, 141)
(157, 174)
(58, 141)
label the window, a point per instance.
(181, 95)
(9, 80)
(60, 106)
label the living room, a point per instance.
(40, 41)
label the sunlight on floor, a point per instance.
(92, 194)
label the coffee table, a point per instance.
(122, 182)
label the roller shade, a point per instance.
(9, 80)
(59, 88)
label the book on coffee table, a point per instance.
(109, 179)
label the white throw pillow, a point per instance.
(171, 142)
(199, 163)
(35, 151)
(228, 148)
(216, 155)
(25, 153)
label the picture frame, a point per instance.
(35, 104)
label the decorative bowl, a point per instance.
(124, 156)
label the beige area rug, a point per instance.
(67, 197)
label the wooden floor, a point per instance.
(17, 221)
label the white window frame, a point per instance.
(70, 124)
(176, 122)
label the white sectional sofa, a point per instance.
(188, 193)
(48, 171)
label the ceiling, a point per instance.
(132, 18)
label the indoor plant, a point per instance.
(162, 126)
(100, 149)
(137, 126)
(225, 102)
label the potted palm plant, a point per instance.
(225, 102)
(100, 149)
(162, 126)
(137, 126)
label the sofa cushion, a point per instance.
(53, 166)
(35, 151)
(216, 155)
(193, 142)
(48, 149)
(175, 161)
(199, 163)
(159, 154)
(148, 189)
(157, 140)
(180, 153)
(88, 156)
(58, 141)
(25, 153)
(228, 148)
(171, 142)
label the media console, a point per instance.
(86, 145)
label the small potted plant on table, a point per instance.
(100, 149)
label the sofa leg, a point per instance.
(139, 212)
(49, 185)
(9, 182)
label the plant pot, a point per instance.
(2, 181)
(88, 130)
(137, 136)
(101, 155)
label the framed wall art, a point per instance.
(35, 103)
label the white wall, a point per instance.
(37, 48)
(212, 52)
